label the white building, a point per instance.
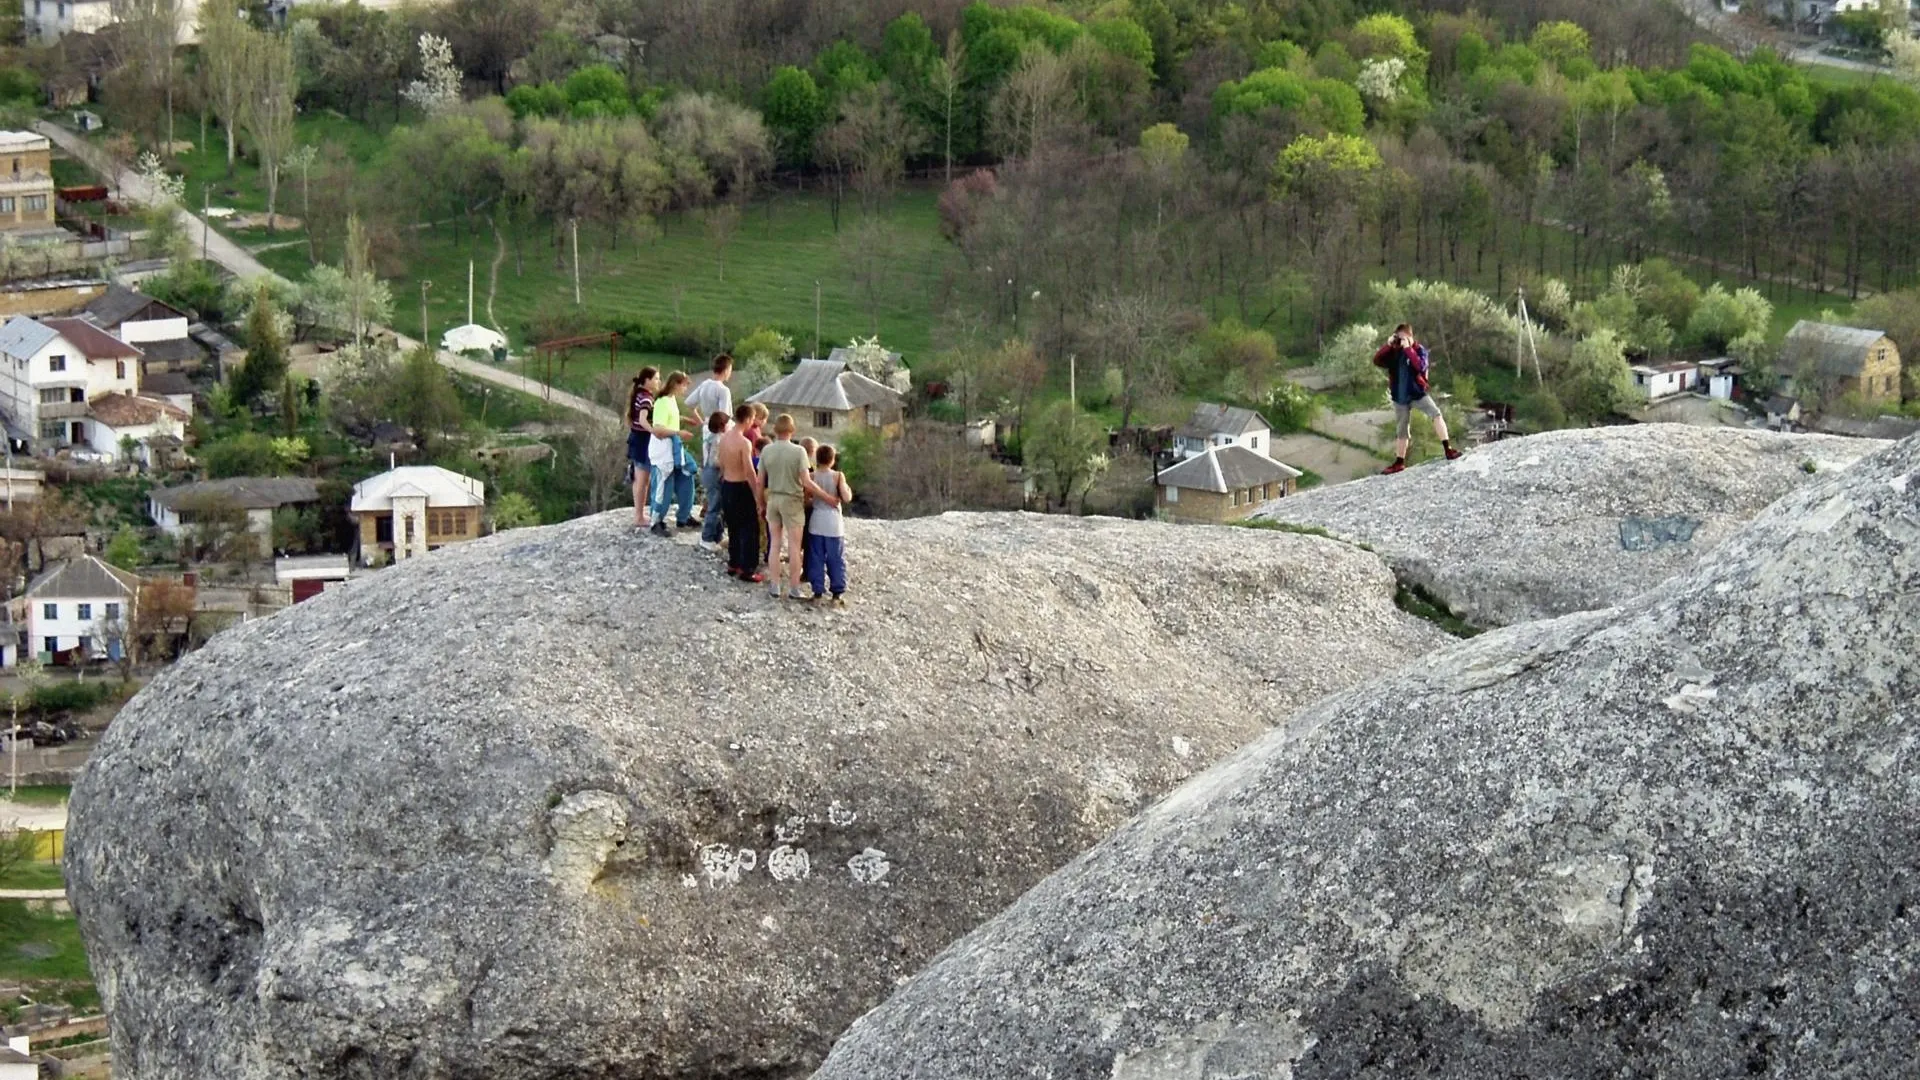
(119, 425)
(161, 330)
(1222, 425)
(409, 511)
(50, 372)
(47, 21)
(1665, 380)
(74, 606)
(178, 509)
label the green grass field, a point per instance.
(205, 167)
(53, 958)
(34, 875)
(44, 795)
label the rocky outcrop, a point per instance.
(567, 802)
(1569, 520)
(1679, 838)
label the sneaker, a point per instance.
(660, 529)
(690, 523)
(753, 578)
(1452, 454)
(1398, 466)
(775, 589)
(710, 545)
(839, 601)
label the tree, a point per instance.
(1722, 318)
(123, 550)
(1290, 407)
(871, 141)
(513, 510)
(1566, 46)
(792, 106)
(225, 41)
(161, 616)
(599, 444)
(721, 223)
(1133, 332)
(946, 77)
(1036, 107)
(151, 32)
(1594, 381)
(266, 363)
(273, 81)
(438, 87)
(421, 396)
(1065, 450)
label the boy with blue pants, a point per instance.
(826, 531)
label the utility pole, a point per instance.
(575, 224)
(424, 286)
(1073, 381)
(206, 229)
(816, 318)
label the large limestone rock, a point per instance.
(567, 802)
(1568, 520)
(1678, 839)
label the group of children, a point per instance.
(779, 501)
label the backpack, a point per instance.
(1419, 360)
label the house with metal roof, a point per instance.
(406, 512)
(79, 609)
(1221, 484)
(179, 509)
(829, 402)
(1842, 361)
(51, 370)
(1222, 425)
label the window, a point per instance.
(86, 612)
(56, 363)
(1173, 494)
(55, 396)
(50, 644)
(49, 611)
(113, 612)
(1233, 498)
(36, 202)
(6, 204)
(120, 369)
(36, 7)
(53, 429)
(823, 420)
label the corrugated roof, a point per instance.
(83, 578)
(1835, 350)
(92, 342)
(22, 337)
(243, 492)
(165, 383)
(1226, 468)
(1209, 419)
(815, 384)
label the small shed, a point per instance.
(472, 337)
(87, 120)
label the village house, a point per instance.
(78, 609)
(135, 427)
(1842, 361)
(1221, 484)
(51, 370)
(48, 21)
(1222, 425)
(49, 296)
(307, 576)
(176, 510)
(158, 328)
(1664, 380)
(406, 512)
(1721, 377)
(828, 402)
(26, 181)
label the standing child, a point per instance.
(639, 434)
(811, 446)
(826, 529)
(672, 465)
(715, 521)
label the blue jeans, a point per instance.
(671, 485)
(826, 558)
(715, 521)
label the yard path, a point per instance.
(237, 261)
(33, 894)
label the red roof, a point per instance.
(93, 342)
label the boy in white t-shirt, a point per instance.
(712, 398)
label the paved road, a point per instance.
(237, 261)
(33, 894)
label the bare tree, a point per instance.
(721, 222)
(1135, 332)
(150, 31)
(267, 114)
(225, 38)
(601, 445)
(1036, 105)
(945, 81)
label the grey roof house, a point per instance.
(828, 401)
(1845, 360)
(1222, 425)
(176, 509)
(1223, 483)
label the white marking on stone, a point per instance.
(1690, 698)
(789, 864)
(870, 867)
(1181, 747)
(767, 924)
(1899, 483)
(841, 816)
(724, 864)
(1824, 519)
(790, 831)
(689, 881)
(746, 860)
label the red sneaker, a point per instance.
(1398, 466)
(754, 579)
(1452, 454)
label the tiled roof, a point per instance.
(1209, 420)
(93, 342)
(1226, 468)
(172, 350)
(828, 385)
(82, 579)
(128, 410)
(1835, 350)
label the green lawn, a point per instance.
(43, 795)
(783, 245)
(40, 931)
(205, 167)
(34, 875)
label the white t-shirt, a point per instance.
(709, 397)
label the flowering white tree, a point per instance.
(438, 87)
(163, 189)
(1380, 79)
(870, 358)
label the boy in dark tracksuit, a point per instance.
(1405, 362)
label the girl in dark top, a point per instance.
(639, 433)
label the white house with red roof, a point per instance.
(66, 382)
